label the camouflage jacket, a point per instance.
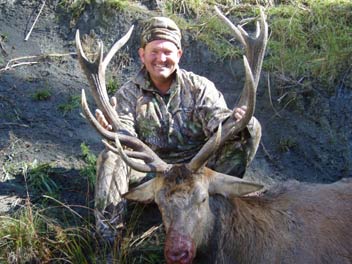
(177, 124)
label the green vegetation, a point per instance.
(119, 4)
(89, 170)
(41, 95)
(76, 7)
(112, 86)
(51, 231)
(286, 144)
(31, 236)
(311, 39)
(73, 103)
(38, 177)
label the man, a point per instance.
(174, 112)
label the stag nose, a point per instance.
(179, 257)
(179, 248)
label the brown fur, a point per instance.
(298, 223)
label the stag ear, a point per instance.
(227, 185)
(143, 193)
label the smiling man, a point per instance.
(174, 112)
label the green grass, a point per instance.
(310, 39)
(51, 231)
(33, 235)
(74, 102)
(41, 95)
(38, 177)
(89, 170)
(112, 86)
(30, 236)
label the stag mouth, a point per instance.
(179, 248)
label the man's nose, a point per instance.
(162, 57)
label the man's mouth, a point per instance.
(160, 66)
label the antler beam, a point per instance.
(95, 72)
(255, 48)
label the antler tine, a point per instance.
(92, 70)
(117, 46)
(141, 150)
(95, 72)
(254, 46)
(155, 165)
(88, 114)
(239, 33)
(230, 127)
(206, 151)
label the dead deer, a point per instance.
(206, 213)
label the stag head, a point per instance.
(181, 191)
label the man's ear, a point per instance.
(141, 54)
(179, 53)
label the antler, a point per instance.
(254, 46)
(253, 60)
(95, 72)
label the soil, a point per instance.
(306, 132)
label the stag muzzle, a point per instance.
(179, 248)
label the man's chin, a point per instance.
(164, 75)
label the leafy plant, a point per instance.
(112, 86)
(89, 169)
(310, 39)
(286, 144)
(38, 177)
(118, 4)
(72, 104)
(41, 95)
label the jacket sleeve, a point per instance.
(210, 104)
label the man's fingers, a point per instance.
(238, 116)
(113, 101)
(240, 112)
(244, 107)
(102, 120)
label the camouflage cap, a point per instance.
(161, 28)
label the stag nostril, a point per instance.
(179, 257)
(179, 248)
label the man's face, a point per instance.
(160, 58)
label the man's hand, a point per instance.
(240, 112)
(101, 118)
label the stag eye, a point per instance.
(202, 199)
(200, 196)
